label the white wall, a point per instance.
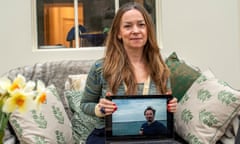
(205, 33)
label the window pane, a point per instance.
(55, 19)
(148, 4)
(98, 15)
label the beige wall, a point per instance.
(205, 33)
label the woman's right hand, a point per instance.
(108, 107)
(105, 106)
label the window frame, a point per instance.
(35, 47)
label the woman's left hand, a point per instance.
(172, 105)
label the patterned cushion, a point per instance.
(206, 110)
(182, 75)
(76, 82)
(83, 124)
(48, 125)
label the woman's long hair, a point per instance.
(117, 67)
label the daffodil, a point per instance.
(19, 95)
(5, 84)
(29, 90)
(18, 101)
(41, 93)
(18, 83)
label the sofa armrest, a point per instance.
(237, 139)
(10, 136)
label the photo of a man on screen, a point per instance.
(152, 127)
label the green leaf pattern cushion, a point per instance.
(182, 75)
(83, 124)
(206, 110)
(48, 125)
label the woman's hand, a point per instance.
(105, 106)
(172, 105)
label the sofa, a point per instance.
(201, 117)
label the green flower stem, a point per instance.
(3, 124)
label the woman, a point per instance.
(132, 65)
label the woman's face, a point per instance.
(133, 30)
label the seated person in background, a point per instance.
(152, 127)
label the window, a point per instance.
(78, 23)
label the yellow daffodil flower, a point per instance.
(19, 95)
(42, 95)
(18, 83)
(18, 100)
(29, 87)
(5, 84)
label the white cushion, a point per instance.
(76, 82)
(206, 110)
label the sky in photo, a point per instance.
(133, 109)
